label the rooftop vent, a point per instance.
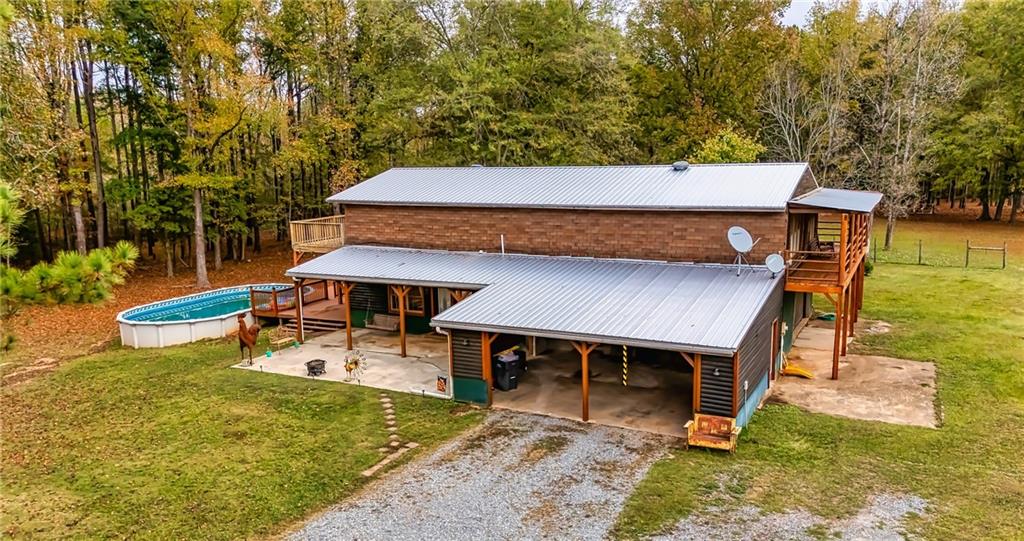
(681, 165)
(477, 165)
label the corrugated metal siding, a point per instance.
(698, 308)
(466, 355)
(716, 391)
(756, 348)
(757, 186)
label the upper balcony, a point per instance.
(316, 236)
(831, 257)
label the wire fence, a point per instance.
(971, 254)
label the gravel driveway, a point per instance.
(517, 476)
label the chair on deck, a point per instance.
(712, 432)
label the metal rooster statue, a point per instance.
(247, 336)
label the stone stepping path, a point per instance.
(394, 447)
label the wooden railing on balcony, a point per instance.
(319, 235)
(834, 258)
(277, 301)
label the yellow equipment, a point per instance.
(789, 369)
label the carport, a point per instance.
(719, 321)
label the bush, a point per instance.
(869, 266)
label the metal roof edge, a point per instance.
(652, 344)
(656, 208)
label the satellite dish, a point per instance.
(775, 263)
(740, 239)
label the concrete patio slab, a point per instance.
(385, 369)
(657, 399)
(870, 387)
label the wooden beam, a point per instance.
(696, 383)
(401, 292)
(584, 349)
(688, 358)
(735, 384)
(837, 337)
(300, 335)
(486, 339)
(458, 295)
(346, 289)
(846, 320)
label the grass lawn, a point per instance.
(970, 470)
(172, 444)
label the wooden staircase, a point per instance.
(313, 324)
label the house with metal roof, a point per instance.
(555, 283)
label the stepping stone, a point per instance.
(383, 450)
(392, 429)
(389, 411)
(385, 400)
(412, 445)
(395, 444)
(393, 437)
(390, 417)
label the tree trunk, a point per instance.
(217, 262)
(984, 193)
(169, 255)
(76, 212)
(890, 228)
(1015, 205)
(202, 280)
(85, 52)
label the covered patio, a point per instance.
(713, 328)
(426, 359)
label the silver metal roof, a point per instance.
(755, 186)
(832, 198)
(676, 306)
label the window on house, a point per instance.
(414, 303)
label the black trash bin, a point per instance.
(507, 371)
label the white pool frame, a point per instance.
(158, 334)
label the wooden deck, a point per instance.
(325, 310)
(316, 236)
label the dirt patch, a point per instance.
(547, 445)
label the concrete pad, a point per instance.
(657, 399)
(870, 387)
(385, 369)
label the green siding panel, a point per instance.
(470, 390)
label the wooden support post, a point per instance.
(585, 348)
(696, 383)
(735, 384)
(486, 339)
(300, 335)
(401, 292)
(844, 234)
(846, 319)
(838, 337)
(346, 290)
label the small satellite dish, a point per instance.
(775, 263)
(740, 239)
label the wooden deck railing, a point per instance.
(317, 235)
(275, 301)
(838, 250)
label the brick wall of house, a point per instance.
(661, 235)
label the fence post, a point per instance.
(967, 258)
(1004, 254)
(918, 251)
(874, 247)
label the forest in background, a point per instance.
(196, 124)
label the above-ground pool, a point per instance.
(181, 320)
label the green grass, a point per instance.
(173, 444)
(971, 469)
